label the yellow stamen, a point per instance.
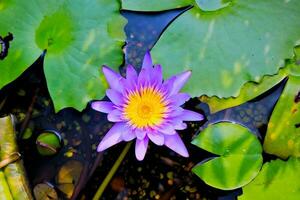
(145, 108)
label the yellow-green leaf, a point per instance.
(283, 134)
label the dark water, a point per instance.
(162, 175)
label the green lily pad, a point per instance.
(248, 92)
(251, 90)
(283, 137)
(240, 42)
(154, 5)
(239, 159)
(79, 37)
(212, 5)
(277, 180)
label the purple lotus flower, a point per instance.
(143, 106)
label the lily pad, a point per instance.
(283, 137)
(154, 5)
(251, 90)
(239, 156)
(212, 5)
(227, 47)
(248, 92)
(79, 37)
(277, 180)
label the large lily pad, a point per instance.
(277, 180)
(283, 137)
(79, 37)
(226, 44)
(146, 5)
(251, 90)
(239, 155)
(248, 92)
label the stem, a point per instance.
(112, 172)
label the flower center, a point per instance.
(145, 107)
(144, 111)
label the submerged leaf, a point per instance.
(68, 177)
(79, 36)
(239, 154)
(45, 191)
